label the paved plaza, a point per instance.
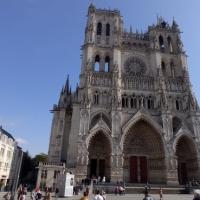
(125, 197)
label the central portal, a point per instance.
(144, 158)
(138, 169)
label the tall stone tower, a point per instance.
(133, 117)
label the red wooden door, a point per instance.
(143, 169)
(133, 169)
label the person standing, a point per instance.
(47, 194)
(85, 196)
(56, 193)
(98, 196)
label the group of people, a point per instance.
(120, 190)
(98, 195)
(36, 194)
(21, 194)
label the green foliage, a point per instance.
(28, 173)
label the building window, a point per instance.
(107, 64)
(124, 101)
(9, 154)
(161, 43)
(45, 174)
(177, 105)
(2, 152)
(163, 68)
(42, 174)
(169, 41)
(172, 69)
(96, 98)
(132, 102)
(55, 174)
(149, 104)
(99, 28)
(107, 29)
(97, 63)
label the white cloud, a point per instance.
(21, 141)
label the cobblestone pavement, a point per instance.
(126, 197)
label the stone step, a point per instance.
(139, 188)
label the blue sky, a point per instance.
(40, 44)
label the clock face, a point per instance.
(135, 66)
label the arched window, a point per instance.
(163, 68)
(161, 42)
(135, 103)
(177, 105)
(140, 102)
(107, 64)
(97, 63)
(126, 102)
(107, 29)
(172, 69)
(123, 102)
(132, 103)
(149, 103)
(96, 98)
(99, 28)
(176, 124)
(169, 41)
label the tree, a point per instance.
(28, 173)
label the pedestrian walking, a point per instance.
(196, 195)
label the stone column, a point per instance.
(81, 162)
(172, 170)
(117, 170)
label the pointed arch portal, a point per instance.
(99, 155)
(144, 154)
(187, 160)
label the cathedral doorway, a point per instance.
(144, 156)
(187, 160)
(99, 156)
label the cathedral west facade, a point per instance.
(133, 116)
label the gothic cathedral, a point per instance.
(133, 116)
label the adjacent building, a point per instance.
(133, 116)
(7, 148)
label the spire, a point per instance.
(77, 89)
(66, 89)
(175, 26)
(91, 7)
(70, 90)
